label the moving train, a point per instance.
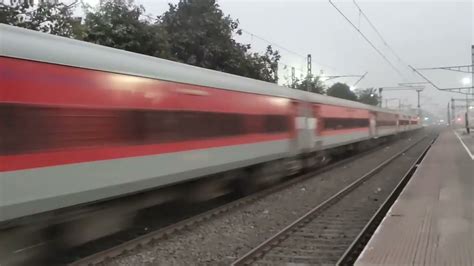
(84, 124)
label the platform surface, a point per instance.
(466, 140)
(431, 223)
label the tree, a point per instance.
(47, 17)
(120, 24)
(200, 34)
(309, 83)
(194, 32)
(262, 67)
(341, 90)
(368, 96)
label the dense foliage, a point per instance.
(200, 34)
(50, 18)
(194, 32)
(368, 96)
(309, 83)
(341, 90)
(120, 24)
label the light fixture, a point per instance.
(466, 81)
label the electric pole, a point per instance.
(467, 114)
(453, 111)
(449, 116)
(419, 107)
(292, 75)
(309, 65)
(380, 97)
(309, 76)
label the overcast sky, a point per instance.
(422, 33)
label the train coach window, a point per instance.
(384, 123)
(34, 128)
(31, 128)
(345, 123)
(403, 122)
(168, 126)
(276, 123)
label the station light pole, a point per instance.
(466, 81)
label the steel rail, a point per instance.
(192, 221)
(356, 247)
(259, 251)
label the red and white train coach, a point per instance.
(83, 123)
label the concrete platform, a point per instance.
(431, 223)
(466, 140)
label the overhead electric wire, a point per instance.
(367, 40)
(284, 48)
(452, 68)
(437, 87)
(273, 43)
(378, 33)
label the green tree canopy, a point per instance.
(120, 24)
(51, 18)
(309, 83)
(194, 32)
(341, 90)
(368, 96)
(200, 34)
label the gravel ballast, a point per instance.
(229, 236)
(322, 238)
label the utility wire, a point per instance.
(452, 68)
(273, 44)
(284, 48)
(366, 39)
(378, 33)
(437, 87)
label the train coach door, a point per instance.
(303, 121)
(372, 125)
(315, 128)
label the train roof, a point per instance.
(37, 46)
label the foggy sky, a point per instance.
(422, 33)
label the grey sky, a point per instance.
(422, 33)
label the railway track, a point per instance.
(325, 234)
(127, 246)
(350, 255)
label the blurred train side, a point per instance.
(83, 123)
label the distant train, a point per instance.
(83, 123)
